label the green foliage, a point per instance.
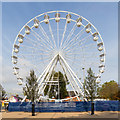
(2, 92)
(31, 88)
(109, 90)
(53, 92)
(118, 93)
(90, 85)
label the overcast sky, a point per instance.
(103, 15)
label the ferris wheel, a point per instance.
(58, 41)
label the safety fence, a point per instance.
(64, 106)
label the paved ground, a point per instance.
(60, 116)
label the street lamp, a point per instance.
(84, 80)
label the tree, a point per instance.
(90, 88)
(31, 89)
(90, 85)
(109, 90)
(118, 93)
(55, 90)
(3, 92)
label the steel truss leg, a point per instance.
(48, 71)
(73, 75)
(72, 85)
(48, 76)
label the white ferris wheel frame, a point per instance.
(63, 62)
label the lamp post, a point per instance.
(58, 87)
(84, 80)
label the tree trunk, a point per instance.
(33, 109)
(92, 108)
(33, 106)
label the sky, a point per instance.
(103, 15)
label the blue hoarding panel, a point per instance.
(64, 106)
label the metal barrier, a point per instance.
(64, 106)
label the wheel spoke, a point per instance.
(63, 34)
(50, 29)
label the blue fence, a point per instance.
(64, 106)
(107, 106)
